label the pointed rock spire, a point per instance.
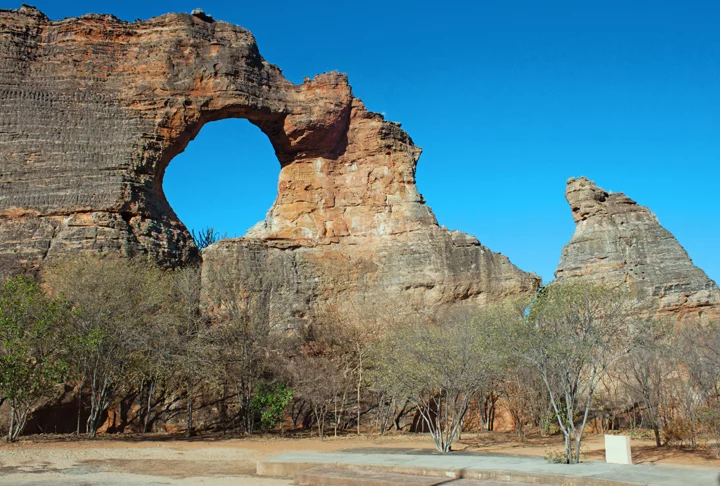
(617, 240)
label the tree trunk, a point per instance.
(19, 419)
(98, 399)
(359, 387)
(189, 432)
(568, 453)
(296, 417)
(79, 405)
(577, 449)
(12, 421)
(399, 416)
(96, 410)
(491, 414)
(335, 412)
(92, 421)
(151, 391)
(320, 417)
(223, 408)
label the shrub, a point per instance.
(269, 402)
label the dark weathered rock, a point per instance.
(617, 240)
(92, 111)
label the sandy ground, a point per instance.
(161, 459)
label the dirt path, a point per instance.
(213, 461)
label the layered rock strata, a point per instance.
(93, 109)
(617, 240)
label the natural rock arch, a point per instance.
(124, 99)
(225, 180)
(93, 109)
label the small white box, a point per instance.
(617, 449)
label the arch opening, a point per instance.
(225, 179)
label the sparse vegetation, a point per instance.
(129, 336)
(439, 368)
(206, 237)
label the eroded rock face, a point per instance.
(93, 109)
(617, 240)
(428, 268)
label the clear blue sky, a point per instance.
(507, 98)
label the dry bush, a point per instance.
(117, 304)
(439, 367)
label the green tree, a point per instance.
(572, 334)
(32, 358)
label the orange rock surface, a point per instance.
(93, 109)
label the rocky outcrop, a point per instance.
(93, 109)
(617, 240)
(427, 268)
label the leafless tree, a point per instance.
(645, 370)
(321, 381)
(525, 396)
(348, 330)
(246, 344)
(696, 383)
(190, 340)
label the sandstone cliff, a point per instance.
(93, 109)
(617, 240)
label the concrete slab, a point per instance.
(495, 467)
(324, 476)
(328, 476)
(488, 482)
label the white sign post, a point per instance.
(617, 449)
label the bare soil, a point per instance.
(139, 459)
